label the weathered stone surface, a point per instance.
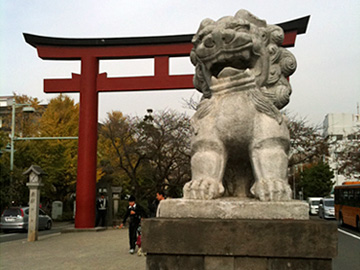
(218, 262)
(172, 262)
(232, 208)
(299, 264)
(251, 263)
(241, 141)
(254, 238)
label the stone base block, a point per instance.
(209, 244)
(233, 208)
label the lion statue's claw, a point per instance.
(203, 189)
(271, 190)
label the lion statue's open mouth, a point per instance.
(226, 51)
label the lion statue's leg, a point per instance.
(269, 159)
(207, 168)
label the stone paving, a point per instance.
(107, 249)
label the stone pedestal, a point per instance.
(233, 208)
(223, 244)
(233, 234)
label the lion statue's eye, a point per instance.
(242, 28)
(209, 42)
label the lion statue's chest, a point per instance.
(231, 115)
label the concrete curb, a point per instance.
(76, 230)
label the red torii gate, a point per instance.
(90, 83)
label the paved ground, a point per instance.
(74, 250)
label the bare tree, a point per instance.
(347, 153)
(168, 150)
(306, 142)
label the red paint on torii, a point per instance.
(90, 83)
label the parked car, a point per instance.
(326, 208)
(17, 218)
(314, 205)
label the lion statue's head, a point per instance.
(235, 44)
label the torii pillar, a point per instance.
(90, 83)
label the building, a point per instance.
(5, 109)
(340, 130)
(340, 125)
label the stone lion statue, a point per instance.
(241, 141)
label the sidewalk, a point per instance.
(107, 249)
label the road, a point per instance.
(14, 235)
(348, 248)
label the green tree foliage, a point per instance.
(58, 158)
(316, 180)
(13, 186)
(26, 124)
(122, 154)
(4, 172)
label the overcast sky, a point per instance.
(327, 78)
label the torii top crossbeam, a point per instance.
(90, 82)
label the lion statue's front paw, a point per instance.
(203, 189)
(271, 190)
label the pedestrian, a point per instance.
(135, 212)
(101, 210)
(160, 195)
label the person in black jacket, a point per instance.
(101, 210)
(136, 213)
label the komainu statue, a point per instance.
(241, 141)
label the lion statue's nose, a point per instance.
(219, 37)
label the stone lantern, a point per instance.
(116, 191)
(35, 173)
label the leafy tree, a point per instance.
(26, 124)
(307, 146)
(4, 172)
(122, 149)
(13, 186)
(145, 155)
(59, 157)
(316, 180)
(168, 150)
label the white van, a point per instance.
(313, 205)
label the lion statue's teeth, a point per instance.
(229, 71)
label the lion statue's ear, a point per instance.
(198, 36)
